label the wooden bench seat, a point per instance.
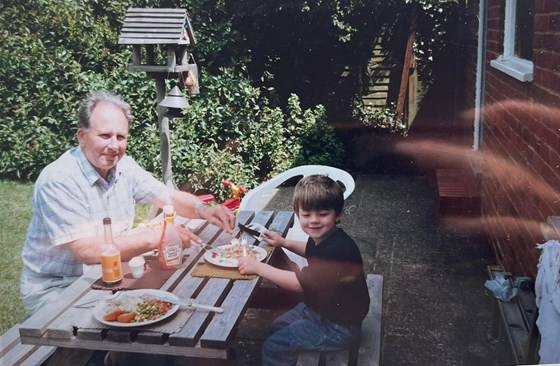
(368, 352)
(12, 352)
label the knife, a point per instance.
(191, 303)
(256, 230)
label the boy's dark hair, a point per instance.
(318, 192)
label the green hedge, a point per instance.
(53, 53)
(232, 132)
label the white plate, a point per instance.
(131, 297)
(218, 259)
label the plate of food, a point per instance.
(136, 308)
(226, 255)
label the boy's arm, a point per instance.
(282, 278)
(295, 246)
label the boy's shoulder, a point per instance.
(341, 237)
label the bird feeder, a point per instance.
(160, 40)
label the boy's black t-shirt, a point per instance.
(333, 282)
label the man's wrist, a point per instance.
(198, 206)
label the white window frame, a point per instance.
(508, 62)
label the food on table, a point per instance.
(228, 255)
(136, 310)
(234, 252)
(112, 315)
(126, 317)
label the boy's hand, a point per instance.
(247, 265)
(273, 238)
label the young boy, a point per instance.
(335, 298)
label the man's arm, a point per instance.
(136, 242)
(188, 205)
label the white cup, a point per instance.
(137, 266)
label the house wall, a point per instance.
(520, 185)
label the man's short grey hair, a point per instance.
(89, 104)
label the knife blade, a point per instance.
(251, 229)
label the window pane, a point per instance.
(524, 29)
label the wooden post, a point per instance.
(165, 148)
(408, 62)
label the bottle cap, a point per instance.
(106, 221)
(168, 209)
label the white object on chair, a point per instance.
(257, 197)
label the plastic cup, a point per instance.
(136, 265)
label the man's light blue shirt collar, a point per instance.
(91, 175)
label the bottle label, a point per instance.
(111, 268)
(172, 254)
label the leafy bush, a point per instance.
(61, 50)
(232, 132)
(383, 119)
(48, 64)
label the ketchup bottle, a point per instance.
(170, 249)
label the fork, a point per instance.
(208, 247)
(92, 303)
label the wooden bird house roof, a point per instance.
(151, 26)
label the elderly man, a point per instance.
(87, 183)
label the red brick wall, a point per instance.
(521, 139)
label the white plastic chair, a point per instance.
(257, 197)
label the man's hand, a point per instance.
(187, 236)
(217, 215)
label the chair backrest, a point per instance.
(251, 200)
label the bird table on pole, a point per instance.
(168, 31)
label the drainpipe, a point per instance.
(480, 74)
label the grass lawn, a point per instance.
(15, 215)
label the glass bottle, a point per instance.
(110, 257)
(170, 248)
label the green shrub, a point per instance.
(59, 51)
(383, 119)
(232, 132)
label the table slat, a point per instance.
(211, 294)
(222, 328)
(36, 324)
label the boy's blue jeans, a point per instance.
(303, 329)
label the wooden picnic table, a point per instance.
(205, 334)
